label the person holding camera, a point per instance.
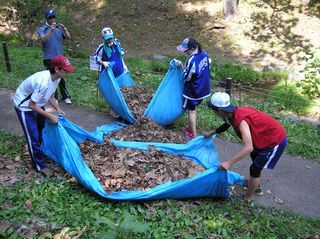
(52, 35)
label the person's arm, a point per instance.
(246, 149)
(124, 66)
(53, 102)
(65, 31)
(45, 36)
(222, 128)
(52, 118)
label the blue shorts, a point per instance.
(268, 158)
(190, 104)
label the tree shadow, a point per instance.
(275, 32)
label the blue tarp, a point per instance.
(62, 147)
(111, 92)
(125, 80)
(166, 104)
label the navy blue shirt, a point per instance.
(53, 46)
(197, 76)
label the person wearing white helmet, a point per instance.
(110, 53)
(264, 138)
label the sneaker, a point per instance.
(186, 129)
(258, 192)
(68, 101)
(190, 135)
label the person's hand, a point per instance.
(59, 111)
(208, 134)
(178, 63)
(106, 64)
(125, 68)
(225, 165)
(52, 27)
(53, 119)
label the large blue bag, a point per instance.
(213, 182)
(125, 80)
(166, 105)
(111, 92)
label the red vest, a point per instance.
(266, 132)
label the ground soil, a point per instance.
(260, 34)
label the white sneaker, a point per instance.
(68, 101)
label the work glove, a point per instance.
(178, 63)
(106, 64)
(125, 68)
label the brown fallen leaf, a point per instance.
(28, 204)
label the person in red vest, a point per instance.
(264, 138)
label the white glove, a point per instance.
(106, 64)
(178, 63)
(125, 68)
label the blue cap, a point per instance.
(50, 13)
(187, 44)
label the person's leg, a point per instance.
(254, 182)
(192, 116)
(29, 123)
(63, 90)
(253, 156)
(252, 187)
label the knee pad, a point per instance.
(255, 171)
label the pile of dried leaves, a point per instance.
(120, 169)
(147, 130)
(137, 99)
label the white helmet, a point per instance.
(107, 33)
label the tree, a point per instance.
(230, 8)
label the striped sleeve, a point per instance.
(189, 69)
(98, 54)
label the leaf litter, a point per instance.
(120, 169)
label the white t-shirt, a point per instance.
(40, 86)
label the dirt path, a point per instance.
(295, 181)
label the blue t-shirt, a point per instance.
(197, 76)
(53, 46)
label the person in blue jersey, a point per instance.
(110, 53)
(52, 35)
(196, 72)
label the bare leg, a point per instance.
(253, 185)
(192, 115)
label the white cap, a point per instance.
(107, 33)
(222, 101)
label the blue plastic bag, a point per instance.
(166, 105)
(112, 94)
(213, 182)
(125, 80)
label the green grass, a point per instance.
(59, 205)
(10, 144)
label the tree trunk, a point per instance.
(230, 8)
